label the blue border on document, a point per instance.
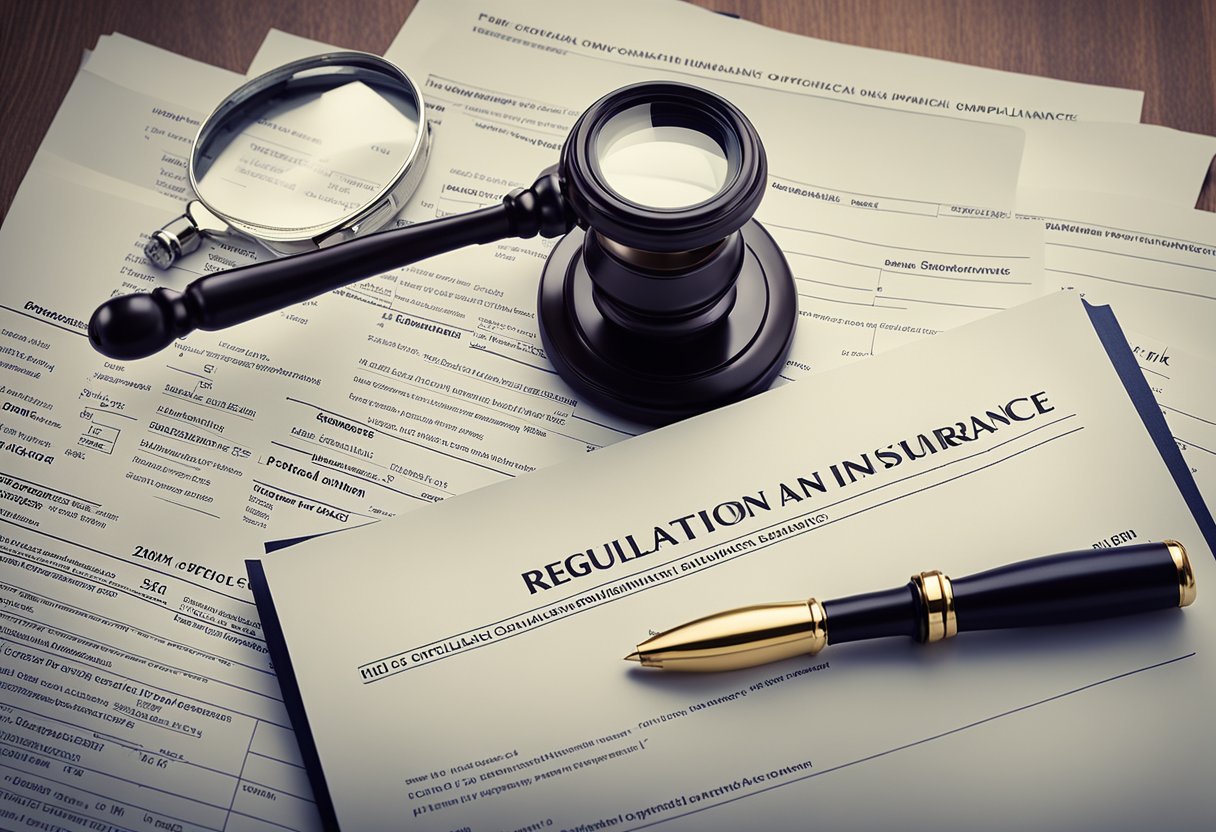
(289, 687)
(1121, 357)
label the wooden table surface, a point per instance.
(1167, 48)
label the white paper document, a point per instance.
(555, 58)
(1182, 383)
(1141, 160)
(157, 72)
(1154, 263)
(591, 43)
(135, 688)
(461, 667)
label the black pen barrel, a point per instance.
(1075, 586)
(1065, 588)
(891, 612)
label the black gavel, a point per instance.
(665, 298)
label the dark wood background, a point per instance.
(1165, 47)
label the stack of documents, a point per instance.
(916, 200)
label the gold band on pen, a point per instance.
(1186, 575)
(937, 598)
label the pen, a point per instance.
(1057, 589)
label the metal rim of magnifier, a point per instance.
(653, 229)
(321, 70)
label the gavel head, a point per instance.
(668, 299)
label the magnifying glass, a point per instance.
(664, 299)
(312, 153)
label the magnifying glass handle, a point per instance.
(138, 325)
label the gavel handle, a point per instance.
(139, 325)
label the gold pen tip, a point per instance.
(633, 657)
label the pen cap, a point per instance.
(1076, 586)
(739, 638)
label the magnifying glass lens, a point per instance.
(661, 156)
(321, 149)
